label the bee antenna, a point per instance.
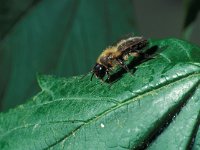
(92, 76)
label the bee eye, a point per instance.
(99, 70)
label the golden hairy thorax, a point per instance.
(112, 55)
(108, 56)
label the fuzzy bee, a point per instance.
(117, 55)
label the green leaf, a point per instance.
(56, 37)
(158, 107)
(192, 10)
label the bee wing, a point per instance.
(126, 45)
(132, 44)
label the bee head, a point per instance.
(99, 71)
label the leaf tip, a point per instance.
(44, 80)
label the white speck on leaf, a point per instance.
(102, 125)
(137, 129)
(35, 126)
(73, 134)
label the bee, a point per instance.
(116, 55)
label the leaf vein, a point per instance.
(128, 101)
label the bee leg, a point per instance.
(138, 53)
(121, 62)
(108, 74)
(135, 54)
(126, 56)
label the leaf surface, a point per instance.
(157, 107)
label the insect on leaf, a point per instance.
(157, 107)
(60, 37)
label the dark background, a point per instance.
(161, 19)
(65, 37)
